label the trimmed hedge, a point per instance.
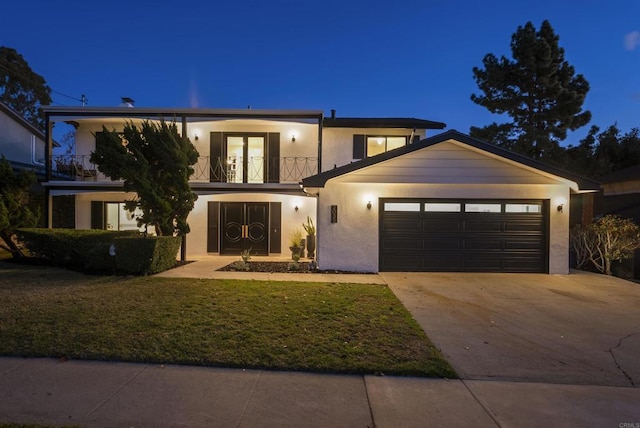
(146, 256)
(74, 248)
(89, 250)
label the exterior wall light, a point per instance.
(293, 138)
(296, 208)
(196, 135)
(369, 205)
(560, 208)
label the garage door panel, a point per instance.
(524, 243)
(402, 243)
(489, 243)
(483, 225)
(401, 225)
(442, 244)
(431, 240)
(437, 225)
(524, 225)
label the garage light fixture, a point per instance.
(560, 208)
(369, 205)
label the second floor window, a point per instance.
(365, 146)
(377, 145)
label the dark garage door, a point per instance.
(463, 235)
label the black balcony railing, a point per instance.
(231, 169)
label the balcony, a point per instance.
(232, 169)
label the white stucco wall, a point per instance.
(337, 143)
(290, 220)
(197, 238)
(352, 242)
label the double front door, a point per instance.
(245, 225)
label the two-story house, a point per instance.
(384, 195)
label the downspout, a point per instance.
(320, 120)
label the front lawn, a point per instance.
(340, 328)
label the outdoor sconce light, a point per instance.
(293, 138)
(560, 208)
(196, 135)
(369, 205)
(296, 208)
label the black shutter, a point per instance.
(97, 215)
(359, 146)
(275, 228)
(216, 158)
(416, 138)
(213, 226)
(273, 159)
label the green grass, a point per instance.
(340, 328)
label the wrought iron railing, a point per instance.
(232, 169)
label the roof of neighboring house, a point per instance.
(627, 174)
(381, 122)
(319, 180)
(21, 120)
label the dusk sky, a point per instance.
(363, 58)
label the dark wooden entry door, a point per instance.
(245, 225)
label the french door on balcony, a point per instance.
(245, 225)
(245, 158)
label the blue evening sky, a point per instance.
(401, 58)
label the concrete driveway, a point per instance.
(581, 328)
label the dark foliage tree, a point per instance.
(155, 162)
(538, 89)
(14, 205)
(22, 89)
(601, 153)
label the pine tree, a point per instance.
(14, 205)
(155, 163)
(538, 89)
(22, 89)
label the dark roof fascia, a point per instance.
(178, 112)
(382, 122)
(21, 120)
(198, 187)
(319, 180)
(206, 188)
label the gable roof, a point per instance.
(380, 122)
(319, 180)
(21, 120)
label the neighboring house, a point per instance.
(383, 195)
(621, 193)
(21, 142)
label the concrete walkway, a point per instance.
(102, 394)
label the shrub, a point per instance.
(146, 255)
(76, 248)
(606, 240)
(89, 250)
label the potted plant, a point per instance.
(295, 244)
(311, 237)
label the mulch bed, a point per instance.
(281, 267)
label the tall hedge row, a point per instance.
(100, 250)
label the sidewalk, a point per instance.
(205, 267)
(104, 394)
